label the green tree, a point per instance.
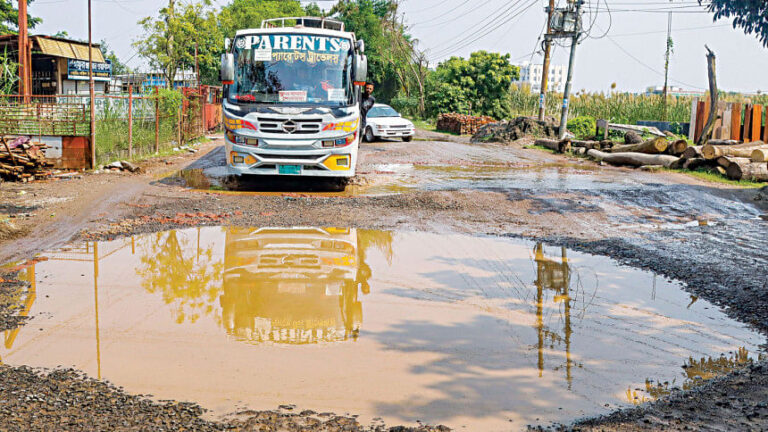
(478, 85)
(313, 10)
(247, 14)
(9, 17)
(750, 15)
(394, 64)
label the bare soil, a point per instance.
(642, 219)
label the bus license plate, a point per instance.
(289, 169)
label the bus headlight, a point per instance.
(340, 142)
(241, 140)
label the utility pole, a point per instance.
(547, 59)
(24, 63)
(574, 43)
(90, 85)
(666, 62)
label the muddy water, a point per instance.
(472, 332)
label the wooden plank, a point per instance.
(701, 115)
(747, 123)
(736, 122)
(692, 127)
(727, 121)
(717, 127)
(757, 122)
(765, 127)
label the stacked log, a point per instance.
(461, 124)
(656, 145)
(561, 146)
(634, 158)
(714, 151)
(22, 161)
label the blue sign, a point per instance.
(78, 70)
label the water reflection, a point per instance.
(554, 275)
(20, 299)
(696, 372)
(293, 285)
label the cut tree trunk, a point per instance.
(713, 95)
(740, 150)
(632, 137)
(586, 144)
(561, 146)
(726, 161)
(633, 159)
(759, 155)
(678, 147)
(723, 142)
(748, 171)
(652, 146)
(692, 152)
(694, 163)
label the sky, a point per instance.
(631, 54)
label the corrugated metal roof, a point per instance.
(58, 48)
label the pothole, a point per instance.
(476, 332)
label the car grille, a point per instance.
(279, 126)
(399, 127)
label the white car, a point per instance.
(384, 122)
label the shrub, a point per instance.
(583, 126)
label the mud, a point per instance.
(444, 185)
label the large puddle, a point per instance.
(472, 332)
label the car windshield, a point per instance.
(290, 69)
(383, 111)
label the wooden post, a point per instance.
(765, 128)
(203, 100)
(713, 96)
(130, 121)
(694, 115)
(736, 122)
(24, 65)
(747, 123)
(157, 119)
(757, 122)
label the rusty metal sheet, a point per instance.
(64, 49)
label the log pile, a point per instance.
(22, 161)
(461, 124)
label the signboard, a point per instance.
(78, 70)
(296, 48)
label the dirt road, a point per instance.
(670, 225)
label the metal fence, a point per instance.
(127, 125)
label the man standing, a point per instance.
(366, 103)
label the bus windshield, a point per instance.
(291, 69)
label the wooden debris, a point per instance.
(694, 163)
(461, 124)
(22, 161)
(632, 137)
(633, 158)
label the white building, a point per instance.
(531, 74)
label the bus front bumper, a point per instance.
(339, 162)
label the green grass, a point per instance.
(424, 124)
(537, 147)
(719, 178)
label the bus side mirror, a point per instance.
(361, 68)
(227, 74)
(227, 44)
(360, 44)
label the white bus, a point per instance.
(291, 99)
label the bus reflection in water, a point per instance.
(293, 285)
